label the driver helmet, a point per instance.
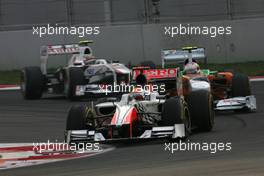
(191, 68)
(87, 54)
(136, 97)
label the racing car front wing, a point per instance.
(237, 103)
(172, 132)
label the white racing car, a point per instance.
(82, 76)
(144, 115)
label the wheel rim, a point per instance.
(89, 120)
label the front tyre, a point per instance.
(200, 105)
(80, 117)
(175, 111)
(77, 118)
(240, 85)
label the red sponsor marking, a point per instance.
(50, 156)
(36, 148)
(7, 86)
(157, 73)
(16, 149)
(21, 156)
(113, 121)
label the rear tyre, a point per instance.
(74, 77)
(175, 111)
(200, 105)
(32, 83)
(150, 64)
(240, 86)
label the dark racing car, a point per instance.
(230, 90)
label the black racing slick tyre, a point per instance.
(175, 111)
(31, 83)
(74, 77)
(240, 85)
(149, 64)
(78, 118)
(200, 105)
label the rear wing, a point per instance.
(63, 49)
(156, 74)
(180, 55)
(167, 77)
(59, 49)
(45, 51)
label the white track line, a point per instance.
(10, 88)
(256, 79)
(2, 145)
(5, 164)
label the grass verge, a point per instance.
(248, 68)
(10, 77)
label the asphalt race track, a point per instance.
(42, 120)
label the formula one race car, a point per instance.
(231, 91)
(82, 76)
(143, 114)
